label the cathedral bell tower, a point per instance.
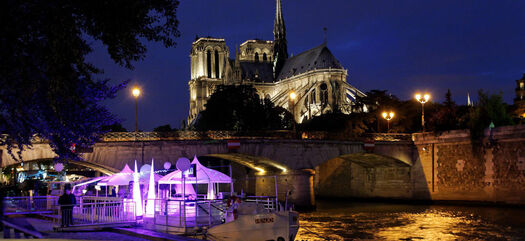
(280, 49)
(208, 62)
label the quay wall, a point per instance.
(451, 166)
(448, 166)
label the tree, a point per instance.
(446, 117)
(489, 109)
(116, 127)
(373, 104)
(49, 89)
(164, 128)
(351, 125)
(239, 107)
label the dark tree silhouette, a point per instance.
(489, 109)
(446, 116)
(49, 89)
(116, 127)
(164, 128)
(239, 108)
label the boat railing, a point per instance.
(174, 213)
(29, 204)
(92, 214)
(46, 204)
(269, 202)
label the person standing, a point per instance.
(66, 202)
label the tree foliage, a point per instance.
(164, 128)
(116, 127)
(446, 115)
(239, 107)
(489, 109)
(351, 125)
(49, 89)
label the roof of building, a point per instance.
(257, 71)
(257, 41)
(319, 57)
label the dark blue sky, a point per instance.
(401, 46)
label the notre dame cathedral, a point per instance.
(315, 76)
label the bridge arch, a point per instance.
(28, 164)
(363, 175)
(261, 165)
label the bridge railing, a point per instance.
(226, 135)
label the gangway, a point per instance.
(95, 215)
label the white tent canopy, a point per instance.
(124, 177)
(204, 175)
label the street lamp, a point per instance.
(293, 96)
(423, 99)
(136, 93)
(388, 117)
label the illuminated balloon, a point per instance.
(58, 167)
(167, 165)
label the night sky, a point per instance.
(400, 46)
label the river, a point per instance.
(383, 221)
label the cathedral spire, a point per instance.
(280, 49)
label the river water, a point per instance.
(382, 221)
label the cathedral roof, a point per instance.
(319, 57)
(257, 71)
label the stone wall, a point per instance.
(456, 168)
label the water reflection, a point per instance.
(376, 221)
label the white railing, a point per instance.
(94, 214)
(188, 213)
(269, 203)
(29, 205)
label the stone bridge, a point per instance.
(279, 151)
(429, 166)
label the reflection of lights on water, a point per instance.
(427, 226)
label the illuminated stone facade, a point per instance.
(519, 101)
(316, 76)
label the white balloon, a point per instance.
(145, 169)
(167, 165)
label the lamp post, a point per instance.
(388, 117)
(293, 96)
(136, 93)
(423, 99)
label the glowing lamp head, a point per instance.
(388, 115)
(135, 92)
(423, 98)
(293, 95)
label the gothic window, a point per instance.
(324, 94)
(208, 63)
(217, 64)
(265, 58)
(256, 57)
(312, 99)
